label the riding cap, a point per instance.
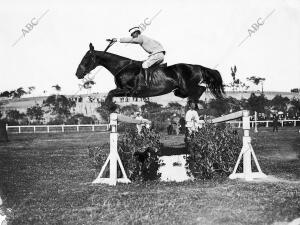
(134, 29)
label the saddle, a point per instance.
(154, 67)
(140, 79)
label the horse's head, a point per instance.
(87, 64)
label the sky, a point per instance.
(260, 37)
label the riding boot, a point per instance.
(146, 77)
(139, 84)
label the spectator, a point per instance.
(275, 122)
(192, 119)
(175, 124)
(182, 125)
(140, 126)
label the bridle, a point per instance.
(111, 42)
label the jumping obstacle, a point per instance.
(246, 154)
(247, 151)
(113, 159)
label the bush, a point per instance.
(138, 153)
(58, 120)
(213, 151)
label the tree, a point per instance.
(257, 103)
(59, 105)
(151, 107)
(174, 106)
(279, 103)
(14, 93)
(295, 107)
(128, 110)
(57, 87)
(14, 114)
(106, 109)
(80, 119)
(3, 132)
(35, 112)
(14, 117)
(19, 92)
(218, 107)
(5, 94)
(257, 80)
(30, 89)
(236, 83)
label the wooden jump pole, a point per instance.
(113, 159)
(247, 151)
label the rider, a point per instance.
(153, 47)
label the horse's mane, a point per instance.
(119, 57)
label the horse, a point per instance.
(184, 80)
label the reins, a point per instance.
(111, 42)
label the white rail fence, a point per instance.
(267, 123)
(105, 127)
(58, 128)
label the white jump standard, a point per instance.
(247, 150)
(114, 157)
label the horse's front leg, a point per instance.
(115, 93)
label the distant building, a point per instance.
(88, 103)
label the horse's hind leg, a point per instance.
(180, 93)
(195, 93)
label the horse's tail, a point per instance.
(214, 82)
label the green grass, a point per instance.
(46, 179)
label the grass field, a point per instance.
(45, 179)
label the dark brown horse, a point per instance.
(183, 79)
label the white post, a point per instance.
(19, 129)
(267, 123)
(295, 122)
(6, 127)
(114, 151)
(93, 127)
(255, 125)
(77, 128)
(113, 157)
(33, 129)
(246, 153)
(246, 140)
(282, 123)
(63, 128)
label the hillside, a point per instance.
(86, 104)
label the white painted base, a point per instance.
(248, 177)
(110, 181)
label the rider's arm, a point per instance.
(137, 40)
